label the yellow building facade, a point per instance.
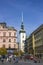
(35, 42)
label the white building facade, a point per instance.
(22, 37)
(8, 36)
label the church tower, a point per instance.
(22, 36)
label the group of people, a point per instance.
(9, 58)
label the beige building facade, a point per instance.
(8, 36)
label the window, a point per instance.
(14, 45)
(9, 40)
(23, 36)
(3, 45)
(3, 26)
(9, 33)
(14, 34)
(14, 40)
(4, 40)
(4, 33)
(9, 45)
(23, 41)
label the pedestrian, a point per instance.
(39, 60)
(16, 60)
(2, 60)
(7, 60)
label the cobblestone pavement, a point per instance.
(21, 62)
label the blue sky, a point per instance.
(11, 11)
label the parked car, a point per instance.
(31, 57)
(28, 56)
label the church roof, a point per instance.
(22, 31)
(22, 26)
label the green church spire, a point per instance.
(22, 26)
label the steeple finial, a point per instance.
(22, 16)
(22, 26)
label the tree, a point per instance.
(3, 51)
(21, 52)
(16, 53)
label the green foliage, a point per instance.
(3, 51)
(16, 53)
(21, 52)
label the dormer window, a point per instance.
(3, 26)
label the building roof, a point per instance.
(37, 30)
(22, 31)
(3, 24)
(11, 28)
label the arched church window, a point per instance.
(23, 36)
